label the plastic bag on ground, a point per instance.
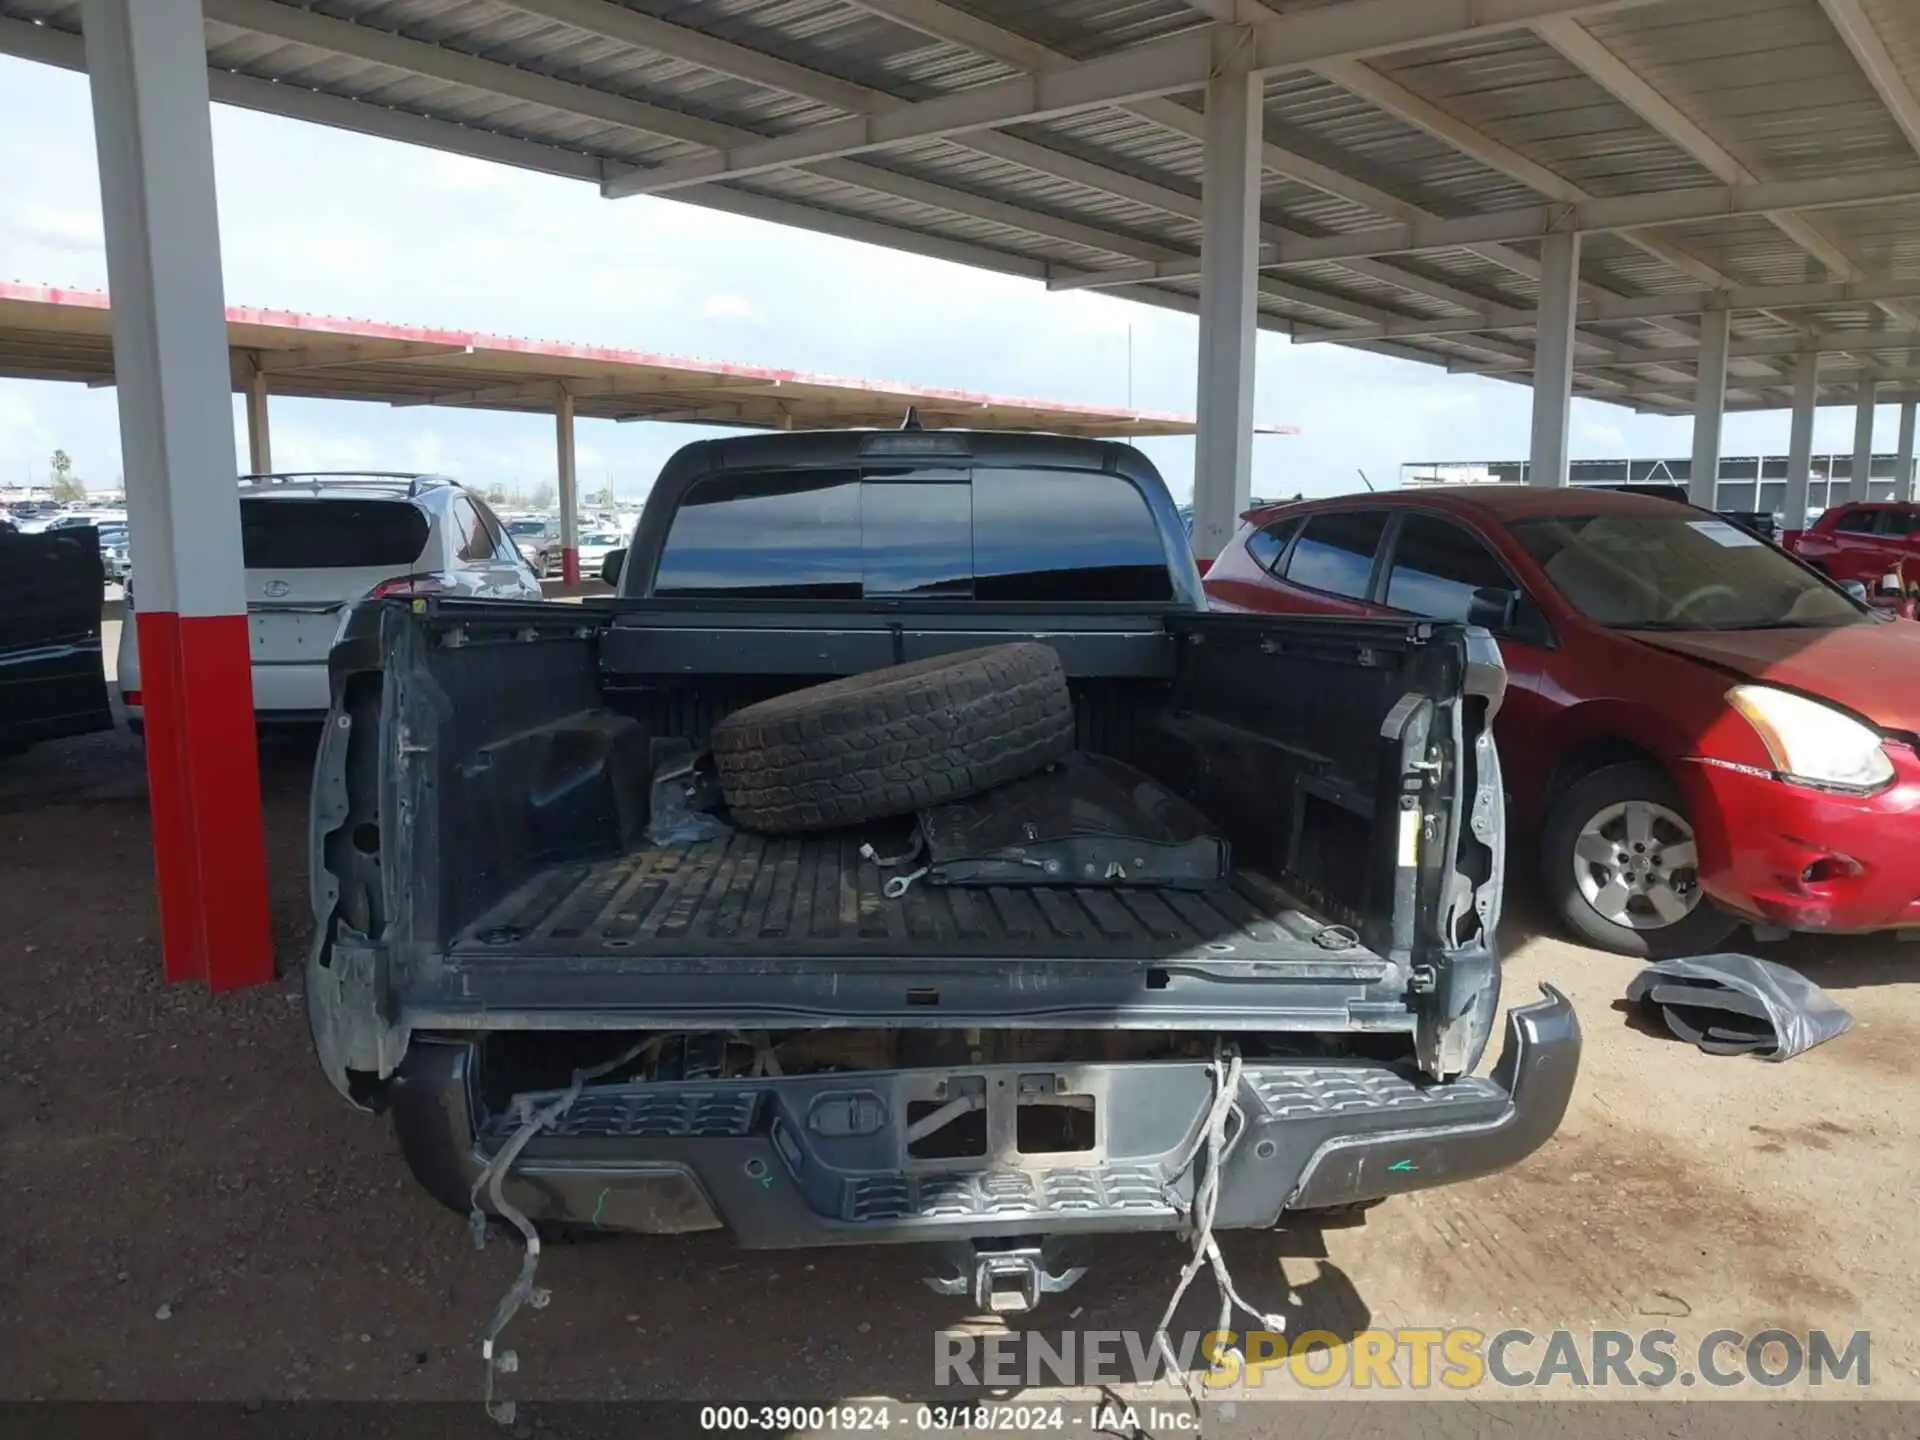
(1735, 1004)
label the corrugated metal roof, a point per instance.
(1500, 121)
(1521, 92)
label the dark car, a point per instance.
(1699, 730)
(52, 683)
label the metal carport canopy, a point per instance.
(1627, 199)
(48, 334)
(1752, 157)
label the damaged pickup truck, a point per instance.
(590, 995)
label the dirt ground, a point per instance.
(192, 1213)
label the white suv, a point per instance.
(315, 543)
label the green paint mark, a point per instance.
(1403, 1165)
(600, 1204)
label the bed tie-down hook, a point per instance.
(898, 885)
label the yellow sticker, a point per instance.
(1409, 838)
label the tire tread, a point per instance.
(892, 741)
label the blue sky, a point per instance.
(320, 220)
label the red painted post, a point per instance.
(147, 63)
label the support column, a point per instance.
(569, 494)
(1806, 400)
(1229, 281)
(148, 74)
(1709, 409)
(1553, 360)
(259, 437)
(1903, 477)
(1862, 469)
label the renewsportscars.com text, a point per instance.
(1456, 1358)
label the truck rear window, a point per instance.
(1064, 535)
(997, 535)
(785, 537)
(289, 533)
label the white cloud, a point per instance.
(25, 443)
(1598, 438)
(58, 231)
(300, 447)
(463, 172)
(724, 306)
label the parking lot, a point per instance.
(194, 1214)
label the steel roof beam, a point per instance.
(1651, 307)
(373, 352)
(956, 27)
(1578, 45)
(1883, 71)
(1826, 342)
(1394, 98)
(56, 47)
(938, 21)
(53, 46)
(617, 22)
(421, 57)
(48, 46)
(942, 22)
(1622, 212)
(1161, 67)
(1846, 380)
(381, 47)
(681, 42)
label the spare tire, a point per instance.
(892, 741)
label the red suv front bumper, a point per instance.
(1808, 859)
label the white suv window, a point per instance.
(477, 535)
(288, 532)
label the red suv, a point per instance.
(1865, 542)
(1698, 729)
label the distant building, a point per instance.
(1747, 482)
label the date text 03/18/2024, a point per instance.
(962, 1416)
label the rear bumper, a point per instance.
(282, 695)
(823, 1159)
(1805, 859)
(291, 693)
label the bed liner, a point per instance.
(756, 896)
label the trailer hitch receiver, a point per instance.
(1004, 1278)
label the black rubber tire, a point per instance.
(893, 741)
(1702, 930)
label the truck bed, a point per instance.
(814, 896)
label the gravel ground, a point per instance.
(192, 1213)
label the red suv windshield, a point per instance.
(1685, 572)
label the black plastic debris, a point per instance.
(1740, 1005)
(1087, 820)
(685, 792)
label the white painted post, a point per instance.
(1861, 471)
(1553, 361)
(569, 494)
(1806, 400)
(259, 436)
(1903, 476)
(148, 67)
(1709, 409)
(1229, 278)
